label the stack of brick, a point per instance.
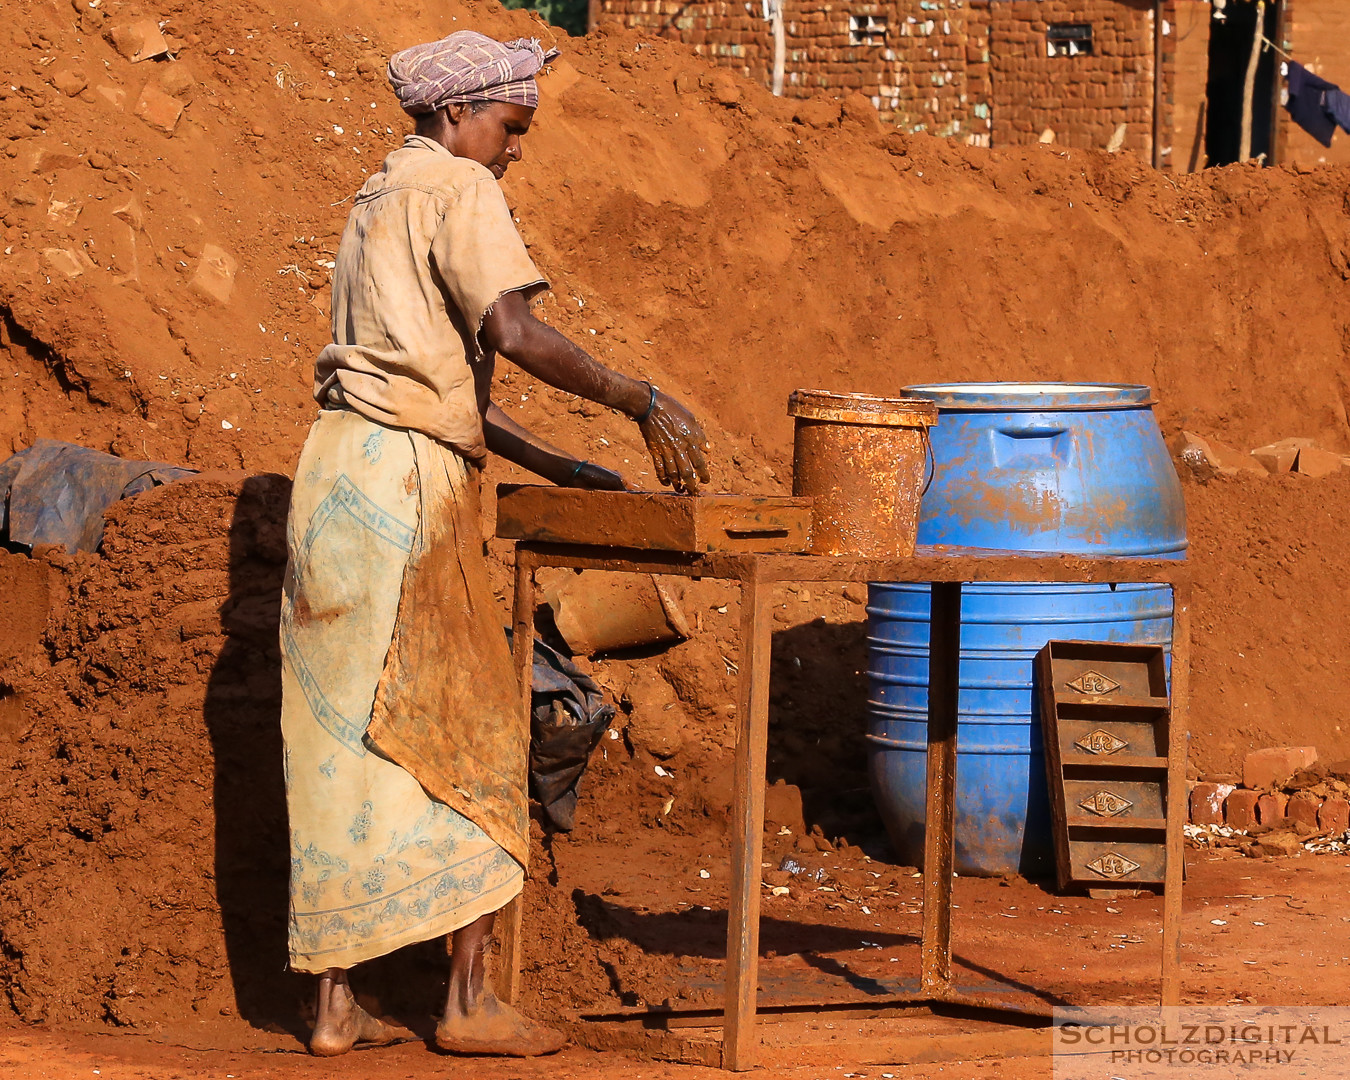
(1280, 786)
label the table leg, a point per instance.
(739, 1040)
(507, 975)
(1178, 737)
(944, 664)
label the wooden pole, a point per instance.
(1249, 88)
(1178, 739)
(939, 836)
(507, 976)
(779, 48)
(1276, 113)
(1158, 21)
(739, 1038)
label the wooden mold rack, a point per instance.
(1113, 766)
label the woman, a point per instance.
(404, 765)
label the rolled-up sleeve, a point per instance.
(479, 255)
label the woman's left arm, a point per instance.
(521, 446)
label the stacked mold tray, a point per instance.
(1105, 716)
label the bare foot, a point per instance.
(342, 1023)
(496, 1028)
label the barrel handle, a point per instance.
(930, 461)
(1026, 445)
(1032, 431)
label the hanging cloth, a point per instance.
(1337, 103)
(1306, 104)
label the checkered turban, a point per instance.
(465, 67)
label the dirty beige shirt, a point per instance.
(429, 247)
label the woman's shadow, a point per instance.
(243, 717)
(252, 849)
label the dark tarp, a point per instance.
(568, 717)
(56, 492)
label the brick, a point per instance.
(1279, 457)
(113, 95)
(1272, 766)
(158, 109)
(1239, 809)
(1303, 806)
(53, 159)
(1207, 803)
(69, 81)
(214, 276)
(1270, 807)
(1334, 817)
(137, 41)
(1314, 462)
(71, 262)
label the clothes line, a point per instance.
(1271, 45)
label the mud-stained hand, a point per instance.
(676, 443)
(596, 478)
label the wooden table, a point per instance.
(946, 569)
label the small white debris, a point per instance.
(613, 734)
(1218, 922)
(779, 890)
(337, 130)
(1114, 910)
(227, 425)
(704, 874)
(659, 771)
(866, 910)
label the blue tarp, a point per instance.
(56, 492)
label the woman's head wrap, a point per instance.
(465, 67)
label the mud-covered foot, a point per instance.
(496, 1028)
(343, 1024)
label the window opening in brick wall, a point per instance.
(866, 29)
(1068, 39)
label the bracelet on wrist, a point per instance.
(651, 405)
(576, 471)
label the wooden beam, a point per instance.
(1178, 740)
(740, 1041)
(507, 974)
(939, 838)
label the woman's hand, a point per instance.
(676, 443)
(587, 474)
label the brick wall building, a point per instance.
(1006, 72)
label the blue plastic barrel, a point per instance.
(1056, 467)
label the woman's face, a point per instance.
(489, 134)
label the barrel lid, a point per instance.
(862, 409)
(1033, 396)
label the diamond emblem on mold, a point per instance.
(1106, 803)
(1094, 684)
(1101, 742)
(1112, 864)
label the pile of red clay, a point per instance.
(169, 225)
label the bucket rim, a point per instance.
(862, 409)
(1033, 396)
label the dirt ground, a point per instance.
(163, 291)
(1255, 932)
